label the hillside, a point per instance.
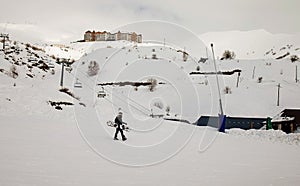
(54, 137)
(111, 59)
(254, 44)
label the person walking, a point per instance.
(119, 122)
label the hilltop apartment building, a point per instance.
(107, 36)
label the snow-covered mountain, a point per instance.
(121, 53)
(55, 136)
(253, 44)
(118, 56)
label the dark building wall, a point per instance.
(292, 113)
(232, 122)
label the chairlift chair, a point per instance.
(101, 93)
(69, 69)
(50, 65)
(77, 84)
(32, 59)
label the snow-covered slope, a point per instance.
(123, 61)
(35, 151)
(129, 64)
(78, 49)
(43, 145)
(251, 44)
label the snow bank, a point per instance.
(267, 135)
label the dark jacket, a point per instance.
(119, 122)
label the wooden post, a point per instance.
(292, 127)
(251, 125)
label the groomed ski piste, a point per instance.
(44, 145)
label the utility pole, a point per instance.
(62, 73)
(253, 72)
(217, 78)
(222, 117)
(238, 79)
(278, 93)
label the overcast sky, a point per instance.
(275, 16)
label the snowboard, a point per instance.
(123, 126)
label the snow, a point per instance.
(280, 119)
(269, 135)
(44, 146)
(252, 44)
(48, 152)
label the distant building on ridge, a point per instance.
(107, 36)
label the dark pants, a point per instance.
(118, 129)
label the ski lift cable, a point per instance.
(142, 106)
(147, 110)
(114, 104)
(126, 97)
(121, 99)
(127, 112)
(117, 97)
(111, 101)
